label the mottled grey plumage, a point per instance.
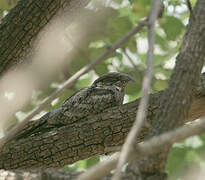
(105, 92)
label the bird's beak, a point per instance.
(129, 78)
(132, 79)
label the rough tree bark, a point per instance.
(20, 27)
(177, 99)
(86, 137)
(91, 136)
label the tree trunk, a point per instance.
(19, 29)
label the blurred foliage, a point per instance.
(130, 58)
(186, 157)
(83, 164)
(6, 5)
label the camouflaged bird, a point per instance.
(105, 92)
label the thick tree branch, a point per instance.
(86, 137)
(148, 147)
(20, 27)
(92, 135)
(12, 133)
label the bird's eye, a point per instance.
(99, 84)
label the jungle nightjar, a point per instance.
(105, 92)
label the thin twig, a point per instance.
(142, 110)
(11, 134)
(146, 148)
(130, 60)
(190, 9)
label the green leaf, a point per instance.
(118, 1)
(132, 89)
(82, 83)
(95, 52)
(172, 26)
(101, 69)
(117, 27)
(78, 63)
(160, 84)
(175, 161)
(192, 156)
(83, 164)
(132, 45)
(159, 59)
(162, 42)
(119, 56)
(127, 12)
(92, 161)
(141, 7)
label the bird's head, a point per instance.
(119, 80)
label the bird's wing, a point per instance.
(84, 102)
(32, 126)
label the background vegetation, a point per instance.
(130, 59)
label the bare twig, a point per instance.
(142, 110)
(190, 8)
(11, 134)
(130, 60)
(148, 147)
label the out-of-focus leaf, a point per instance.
(160, 84)
(7, 5)
(85, 82)
(78, 63)
(132, 45)
(143, 58)
(141, 7)
(127, 12)
(175, 161)
(118, 1)
(66, 94)
(202, 137)
(172, 26)
(162, 42)
(166, 72)
(95, 52)
(159, 59)
(133, 88)
(192, 156)
(83, 164)
(117, 27)
(101, 69)
(119, 56)
(92, 161)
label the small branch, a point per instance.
(143, 149)
(11, 134)
(190, 8)
(130, 60)
(142, 110)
